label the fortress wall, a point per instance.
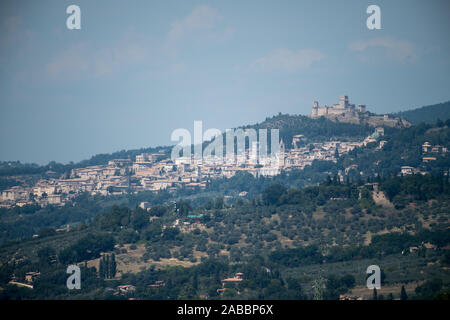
(346, 112)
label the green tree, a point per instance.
(101, 268)
(113, 265)
(46, 255)
(219, 203)
(272, 194)
(403, 295)
(108, 267)
(46, 232)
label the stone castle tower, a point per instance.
(344, 111)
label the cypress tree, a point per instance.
(108, 267)
(403, 295)
(113, 265)
(336, 180)
(195, 282)
(101, 268)
(105, 269)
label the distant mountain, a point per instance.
(428, 114)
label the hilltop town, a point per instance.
(156, 171)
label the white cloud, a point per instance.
(200, 18)
(289, 61)
(82, 60)
(397, 49)
(118, 59)
(71, 62)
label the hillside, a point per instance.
(332, 232)
(428, 114)
(401, 148)
(186, 243)
(313, 129)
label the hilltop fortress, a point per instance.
(344, 111)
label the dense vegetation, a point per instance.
(402, 148)
(269, 239)
(320, 129)
(427, 114)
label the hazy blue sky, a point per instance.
(137, 70)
